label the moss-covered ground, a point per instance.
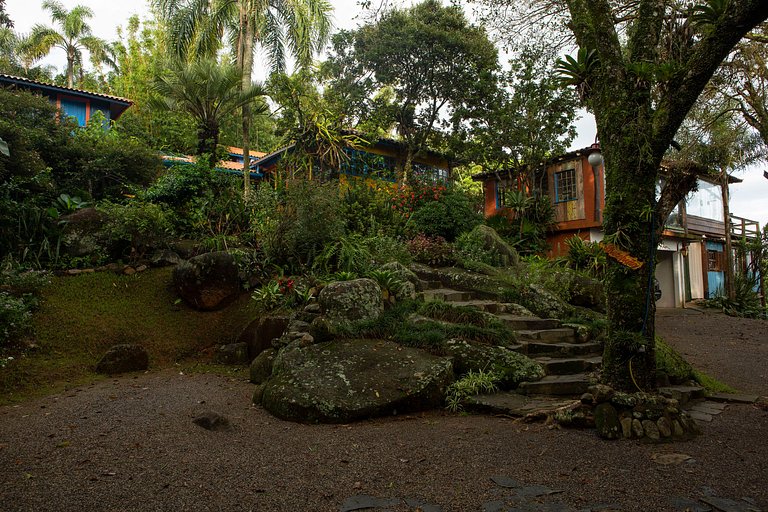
(82, 316)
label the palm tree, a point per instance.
(299, 28)
(74, 37)
(208, 91)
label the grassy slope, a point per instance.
(82, 316)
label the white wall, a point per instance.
(696, 271)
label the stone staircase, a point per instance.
(565, 358)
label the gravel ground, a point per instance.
(733, 350)
(129, 444)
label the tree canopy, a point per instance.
(437, 67)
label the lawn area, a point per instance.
(82, 316)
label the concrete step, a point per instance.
(559, 335)
(529, 323)
(560, 385)
(541, 349)
(569, 365)
(446, 295)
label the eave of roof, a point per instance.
(69, 90)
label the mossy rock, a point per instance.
(343, 381)
(512, 367)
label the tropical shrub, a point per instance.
(132, 229)
(435, 251)
(448, 216)
(294, 224)
(348, 254)
(586, 256)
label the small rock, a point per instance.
(677, 429)
(607, 421)
(141, 268)
(129, 271)
(258, 394)
(123, 358)
(298, 326)
(651, 430)
(313, 308)
(233, 353)
(74, 272)
(165, 258)
(665, 427)
(626, 427)
(587, 399)
(212, 421)
(601, 393)
(637, 428)
(261, 366)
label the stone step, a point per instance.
(569, 365)
(446, 295)
(529, 323)
(541, 349)
(489, 306)
(559, 335)
(510, 403)
(427, 284)
(732, 398)
(560, 385)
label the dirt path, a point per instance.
(129, 444)
(733, 350)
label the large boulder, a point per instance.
(208, 281)
(511, 366)
(348, 301)
(80, 232)
(343, 381)
(494, 250)
(258, 335)
(122, 359)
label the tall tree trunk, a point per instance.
(70, 69)
(207, 142)
(629, 358)
(247, 45)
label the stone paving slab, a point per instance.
(735, 399)
(701, 416)
(727, 505)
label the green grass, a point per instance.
(82, 316)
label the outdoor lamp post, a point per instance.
(595, 159)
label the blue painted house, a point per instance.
(75, 103)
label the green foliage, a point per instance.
(135, 227)
(294, 225)
(746, 302)
(397, 325)
(434, 251)
(388, 280)
(19, 297)
(526, 228)
(473, 246)
(473, 383)
(15, 319)
(586, 256)
(448, 217)
(385, 249)
(368, 208)
(409, 57)
(348, 254)
(447, 312)
(107, 164)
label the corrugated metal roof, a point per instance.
(11, 78)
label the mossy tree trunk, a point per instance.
(638, 110)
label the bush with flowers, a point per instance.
(431, 250)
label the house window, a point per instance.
(715, 261)
(565, 186)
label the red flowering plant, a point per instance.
(409, 198)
